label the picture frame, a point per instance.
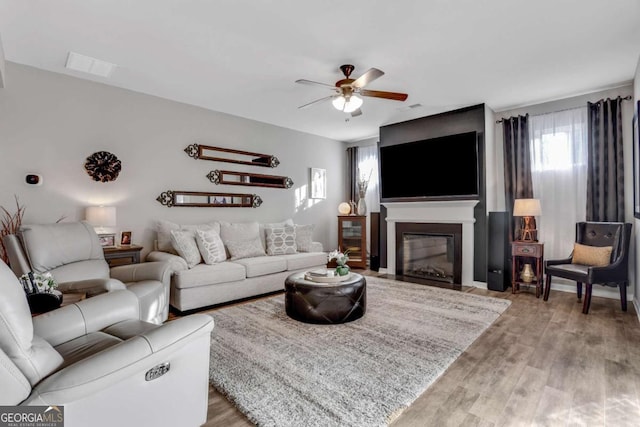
(636, 162)
(125, 238)
(318, 183)
(107, 240)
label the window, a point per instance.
(555, 150)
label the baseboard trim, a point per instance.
(598, 291)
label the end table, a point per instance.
(122, 255)
(521, 253)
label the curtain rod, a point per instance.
(626, 98)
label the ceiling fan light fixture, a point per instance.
(348, 106)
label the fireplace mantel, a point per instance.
(449, 211)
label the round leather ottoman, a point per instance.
(329, 303)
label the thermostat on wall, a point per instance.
(33, 179)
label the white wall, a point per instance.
(50, 123)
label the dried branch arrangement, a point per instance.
(10, 223)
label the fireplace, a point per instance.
(441, 214)
(429, 252)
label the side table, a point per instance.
(122, 255)
(521, 253)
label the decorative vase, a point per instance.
(527, 275)
(362, 207)
(342, 270)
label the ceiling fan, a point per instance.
(347, 90)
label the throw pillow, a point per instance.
(164, 228)
(595, 256)
(210, 246)
(184, 242)
(263, 229)
(304, 234)
(245, 248)
(281, 240)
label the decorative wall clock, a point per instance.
(103, 166)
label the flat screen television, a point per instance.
(433, 169)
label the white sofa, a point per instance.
(233, 278)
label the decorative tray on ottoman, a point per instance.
(325, 276)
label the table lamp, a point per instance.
(101, 216)
(527, 210)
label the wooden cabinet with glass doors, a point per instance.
(352, 236)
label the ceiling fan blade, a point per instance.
(396, 96)
(317, 101)
(356, 113)
(312, 83)
(368, 77)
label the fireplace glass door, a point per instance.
(428, 256)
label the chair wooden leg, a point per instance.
(587, 298)
(623, 295)
(547, 287)
(579, 290)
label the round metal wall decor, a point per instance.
(103, 166)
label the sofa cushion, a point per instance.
(305, 260)
(204, 274)
(281, 240)
(304, 237)
(164, 228)
(184, 241)
(260, 266)
(210, 246)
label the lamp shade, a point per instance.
(101, 216)
(348, 106)
(527, 207)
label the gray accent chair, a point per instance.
(71, 252)
(102, 364)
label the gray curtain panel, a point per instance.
(605, 168)
(517, 164)
(352, 173)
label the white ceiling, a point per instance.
(242, 56)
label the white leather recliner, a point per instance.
(102, 364)
(71, 252)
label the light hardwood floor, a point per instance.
(539, 364)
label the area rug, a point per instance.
(281, 372)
